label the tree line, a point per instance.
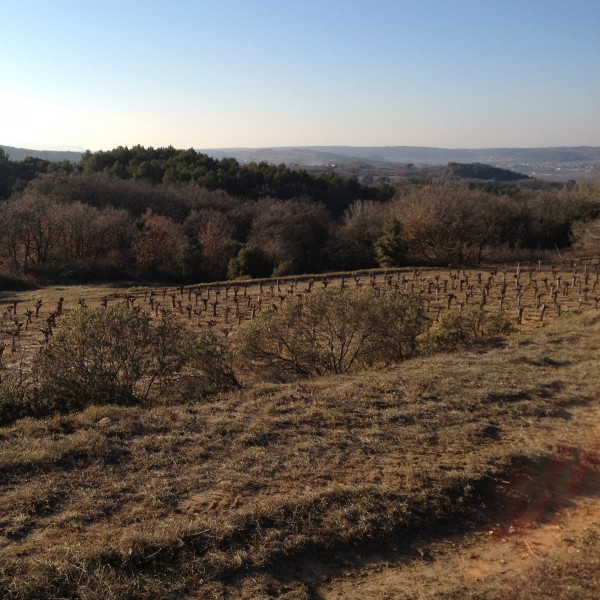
(167, 214)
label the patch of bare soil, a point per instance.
(545, 517)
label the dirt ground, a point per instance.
(563, 508)
(464, 563)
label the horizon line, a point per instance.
(81, 149)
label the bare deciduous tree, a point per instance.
(159, 243)
(218, 245)
(444, 223)
(355, 237)
(292, 231)
(30, 229)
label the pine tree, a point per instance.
(390, 247)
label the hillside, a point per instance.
(276, 489)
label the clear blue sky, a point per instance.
(254, 73)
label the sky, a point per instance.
(266, 73)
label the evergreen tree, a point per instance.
(391, 247)
(249, 262)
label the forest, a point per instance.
(181, 216)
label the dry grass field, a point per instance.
(276, 490)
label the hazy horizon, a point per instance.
(266, 74)
(82, 149)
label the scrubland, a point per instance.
(273, 489)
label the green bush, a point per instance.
(107, 355)
(114, 355)
(18, 398)
(285, 268)
(460, 329)
(209, 362)
(330, 331)
(249, 262)
(13, 402)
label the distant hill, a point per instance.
(481, 171)
(313, 155)
(51, 155)
(568, 162)
(553, 163)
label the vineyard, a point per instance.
(528, 295)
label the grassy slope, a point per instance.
(210, 500)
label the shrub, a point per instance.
(13, 402)
(113, 356)
(249, 262)
(17, 398)
(464, 328)
(331, 332)
(285, 268)
(210, 364)
(107, 355)
(13, 281)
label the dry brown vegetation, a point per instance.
(530, 295)
(222, 498)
